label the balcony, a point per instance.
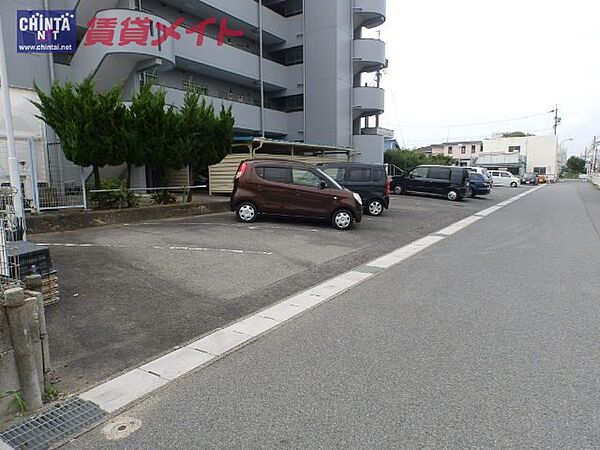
(370, 147)
(228, 63)
(369, 13)
(111, 65)
(247, 116)
(245, 12)
(368, 101)
(369, 55)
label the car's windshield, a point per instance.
(334, 184)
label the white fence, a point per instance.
(48, 179)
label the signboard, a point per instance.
(46, 31)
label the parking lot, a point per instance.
(131, 292)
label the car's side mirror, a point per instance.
(323, 185)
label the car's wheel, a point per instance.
(473, 194)
(513, 184)
(342, 219)
(452, 195)
(398, 190)
(375, 207)
(246, 212)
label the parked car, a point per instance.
(480, 184)
(504, 178)
(289, 188)
(394, 184)
(542, 179)
(451, 182)
(370, 181)
(481, 170)
(530, 178)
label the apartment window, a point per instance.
(450, 150)
(473, 148)
(192, 86)
(463, 149)
(514, 148)
(540, 170)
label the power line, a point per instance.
(472, 137)
(479, 123)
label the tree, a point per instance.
(205, 138)
(514, 134)
(408, 159)
(90, 125)
(153, 132)
(576, 165)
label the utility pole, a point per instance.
(557, 119)
(595, 155)
(13, 164)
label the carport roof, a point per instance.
(299, 145)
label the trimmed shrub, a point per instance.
(163, 198)
(119, 198)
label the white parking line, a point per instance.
(131, 386)
(156, 247)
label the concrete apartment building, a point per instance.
(538, 154)
(310, 68)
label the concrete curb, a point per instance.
(74, 220)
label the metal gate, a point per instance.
(48, 179)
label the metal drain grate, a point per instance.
(53, 426)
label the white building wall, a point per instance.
(541, 151)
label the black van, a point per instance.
(370, 181)
(451, 182)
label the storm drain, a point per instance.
(53, 426)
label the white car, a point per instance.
(504, 178)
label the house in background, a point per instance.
(464, 153)
(539, 154)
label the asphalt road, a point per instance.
(130, 293)
(488, 339)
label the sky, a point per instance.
(454, 63)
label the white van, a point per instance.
(504, 178)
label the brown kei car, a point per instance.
(289, 188)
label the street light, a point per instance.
(565, 140)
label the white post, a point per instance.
(13, 164)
